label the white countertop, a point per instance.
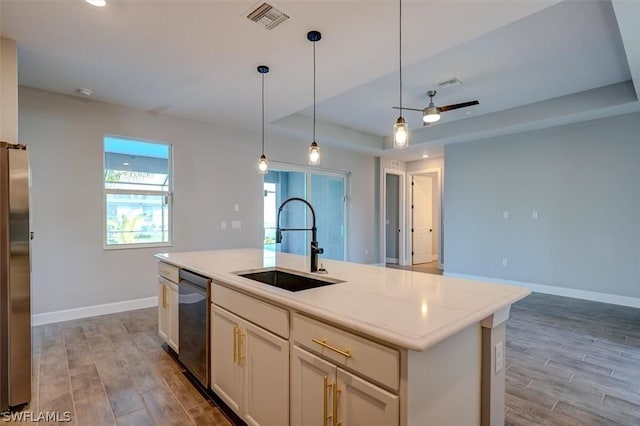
(407, 309)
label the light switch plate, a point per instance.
(505, 214)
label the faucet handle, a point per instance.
(321, 269)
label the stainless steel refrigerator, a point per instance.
(15, 277)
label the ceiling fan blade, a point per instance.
(409, 109)
(456, 106)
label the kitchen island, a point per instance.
(382, 347)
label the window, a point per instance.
(325, 191)
(137, 192)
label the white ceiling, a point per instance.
(526, 61)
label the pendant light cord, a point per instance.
(400, 53)
(314, 91)
(263, 114)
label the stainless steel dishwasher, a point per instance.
(193, 324)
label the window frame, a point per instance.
(167, 194)
(309, 171)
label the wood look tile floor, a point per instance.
(568, 362)
(428, 267)
(572, 362)
(112, 370)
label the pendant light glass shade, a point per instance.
(263, 166)
(314, 154)
(400, 129)
(314, 150)
(400, 134)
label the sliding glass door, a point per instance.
(325, 191)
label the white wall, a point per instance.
(584, 181)
(214, 169)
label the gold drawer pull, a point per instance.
(324, 344)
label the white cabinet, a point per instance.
(249, 367)
(168, 304)
(323, 394)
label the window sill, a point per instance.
(136, 246)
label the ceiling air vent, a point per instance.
(267, 16)
(451, 82)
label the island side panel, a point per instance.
(443, 383)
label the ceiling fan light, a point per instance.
(400, 133)
(314, 154)
(263, 166)
(430, 114)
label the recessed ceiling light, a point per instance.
(125, 164)
(97, 3)
(425, 155)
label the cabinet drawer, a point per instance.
(373, 360)
(267, 316)
(169, 272)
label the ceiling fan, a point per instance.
(431, 114)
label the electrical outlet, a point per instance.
(534, 214)
(223, 224)
(505, 262)
(505, 214)
(499, 357)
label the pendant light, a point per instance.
(263, 166)
(314, 150)
(400, 128)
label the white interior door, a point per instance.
(422, 189)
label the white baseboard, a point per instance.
(633, 302)
(92, 311)
(391, 260)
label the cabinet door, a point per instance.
(266, 364)
(173, 316)
(361, 403)
(226, 371)
(311, 398)
(163, 309)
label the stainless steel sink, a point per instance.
(288, 280)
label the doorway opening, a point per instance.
(393, 244)
(425, 218)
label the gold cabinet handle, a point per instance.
(241, 337)
(324, 344)
(325, 413)
(336, 391)
(164, 296)
(235, 343)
